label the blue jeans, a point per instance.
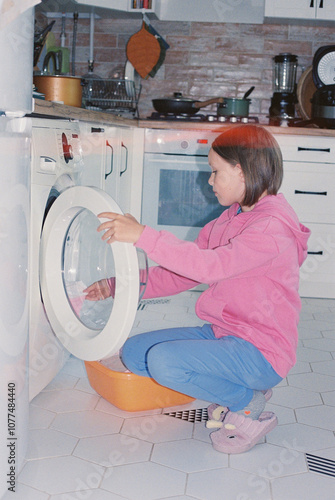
(191, 360)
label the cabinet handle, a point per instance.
(112, 160)
(325, 150)
(320, 252)
(312, 4)
(126, 163)
(321, 193)
(321, 4)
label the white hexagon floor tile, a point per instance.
(188, 455)
(61, 475)
(308, 486)
(66, 401)
(324, 367)
(157, 428)
(270, 461)
(301, 437)
(87, 423)
(315, 382)
(39, 418)
(145, 481)
(23, 492)
(294, 397)
(329, 398)
(116, 449)
(322, 416)
(45, 443)
(88, 495)
(227, 483)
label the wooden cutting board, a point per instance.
(305, 90)
(143, 51)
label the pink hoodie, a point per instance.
(251, 263)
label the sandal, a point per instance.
(239, 434)
(216, 413)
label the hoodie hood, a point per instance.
(277, 206)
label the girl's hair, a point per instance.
(259, 155)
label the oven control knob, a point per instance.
(244, 119)
(233, 119)
(184, 145)
(222, 118)
(67, 149)
(210, 118)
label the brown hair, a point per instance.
(259, 155)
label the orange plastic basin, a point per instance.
(131, 392)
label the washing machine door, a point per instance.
(73, 257)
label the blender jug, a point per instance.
(284, 73)
(284, 97)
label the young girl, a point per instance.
(249, 257)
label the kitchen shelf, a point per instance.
(111, 95)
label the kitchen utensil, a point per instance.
(65, 89)
(179, 105)
(39, 41)
(324, 66)
(234, 106)
(248, 92)
(53, 58)
(143, 51)
(323, 106)
(305, 91)
(133, 80)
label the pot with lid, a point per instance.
(235, 106)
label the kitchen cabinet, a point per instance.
(237, 11)
(301, 9)
(113, 161)
(309, 186)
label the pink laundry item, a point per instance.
(77, 303)
(251, 263)
(239, 434)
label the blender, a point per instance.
(284, 86)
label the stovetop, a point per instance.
(203, 118)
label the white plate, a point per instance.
(131, 74)
(326, 69)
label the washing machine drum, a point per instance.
(73, 256)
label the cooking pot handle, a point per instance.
(203, 104)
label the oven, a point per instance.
(176, 195)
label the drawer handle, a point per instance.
(322, 150)
(320, 252)
(320, 193)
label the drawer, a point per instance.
(310, 189)
(317, 274)
(307, 148)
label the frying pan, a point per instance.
(179, 105)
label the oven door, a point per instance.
(73, 256)
(176, 194)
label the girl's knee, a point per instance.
(161, 364)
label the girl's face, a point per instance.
(227, 181)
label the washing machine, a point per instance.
(67, 255)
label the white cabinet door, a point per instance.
(300, 9)
(237, 11)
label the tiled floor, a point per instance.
(82, 447)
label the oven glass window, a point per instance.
(186, 198)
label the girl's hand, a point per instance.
(99, 290)
(123, 228)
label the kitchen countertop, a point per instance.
(52, 109)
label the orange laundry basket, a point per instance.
(131, 392)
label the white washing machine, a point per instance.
(67, 254)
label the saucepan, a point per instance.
(233, 106)
(179, 105)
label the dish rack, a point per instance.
(114, 96)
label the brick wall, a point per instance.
(204, 59)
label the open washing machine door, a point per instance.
(73, 256)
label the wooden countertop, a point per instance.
(52, 109)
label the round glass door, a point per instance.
(74, 257)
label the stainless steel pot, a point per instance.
(66, 89)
